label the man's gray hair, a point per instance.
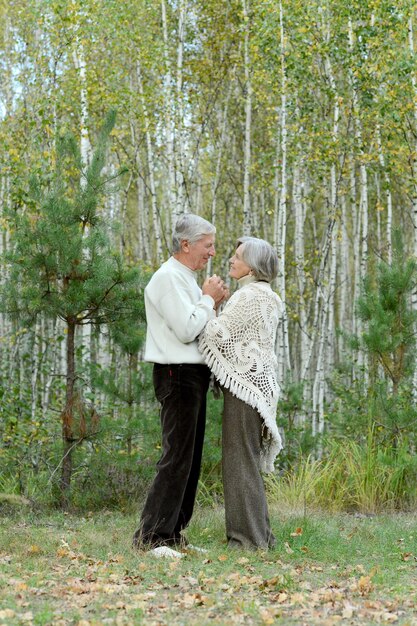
(192, 228)
(260, 256)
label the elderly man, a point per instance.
(177, 311)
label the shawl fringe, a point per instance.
(272, 443)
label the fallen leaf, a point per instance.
(26, 617)
(348, 612)
(193, 599)
(271, 582)
(6, 614)
(267, 616)
(5, 560)
(297, 598)
(297, 532)
(365, 585)
(62, 552)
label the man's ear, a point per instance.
(185, 245)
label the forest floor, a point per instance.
(63, 569)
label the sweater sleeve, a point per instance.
(184, 317)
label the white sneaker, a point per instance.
(166, 552)
(192, 548)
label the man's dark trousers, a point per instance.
(181, 391)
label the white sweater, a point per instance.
(176, 313)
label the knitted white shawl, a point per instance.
(239, 348)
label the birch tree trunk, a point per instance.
(151, 169)
(68, 416)
(299, 252)
(36, 352)
(85, 149)
(414, 169)
(326, 352)
(216, 179)
(362, 228)
(388, 195)
(344, 268)
(284, 365)
(179, 117)
(172, 209)
(248, 123)
(85, 145)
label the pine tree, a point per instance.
(62, 265)
(129, 390)
(389, 339)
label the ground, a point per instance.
(327, 569)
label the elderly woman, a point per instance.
(239, 348)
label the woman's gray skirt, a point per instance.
(246, 509)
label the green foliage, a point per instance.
(298, 437)
(364, 477)
(386, 405)
(62, 263)
(385, 307)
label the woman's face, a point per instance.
(238, 267)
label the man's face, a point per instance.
(198, 253)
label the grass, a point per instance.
(350, 477)
(327, 568)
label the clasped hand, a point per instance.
(215, 287)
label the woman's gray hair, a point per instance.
(260, 256)
(192, 228)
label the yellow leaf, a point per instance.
(6, 614)
(365, 585)
(62, 552)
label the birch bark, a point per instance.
(284, 365)
(414, 169)
(172, 209)
(248, 122)
(179, 117)
(388, 195)
(83, 336)
(151, 168)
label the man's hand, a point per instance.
(215, 287)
